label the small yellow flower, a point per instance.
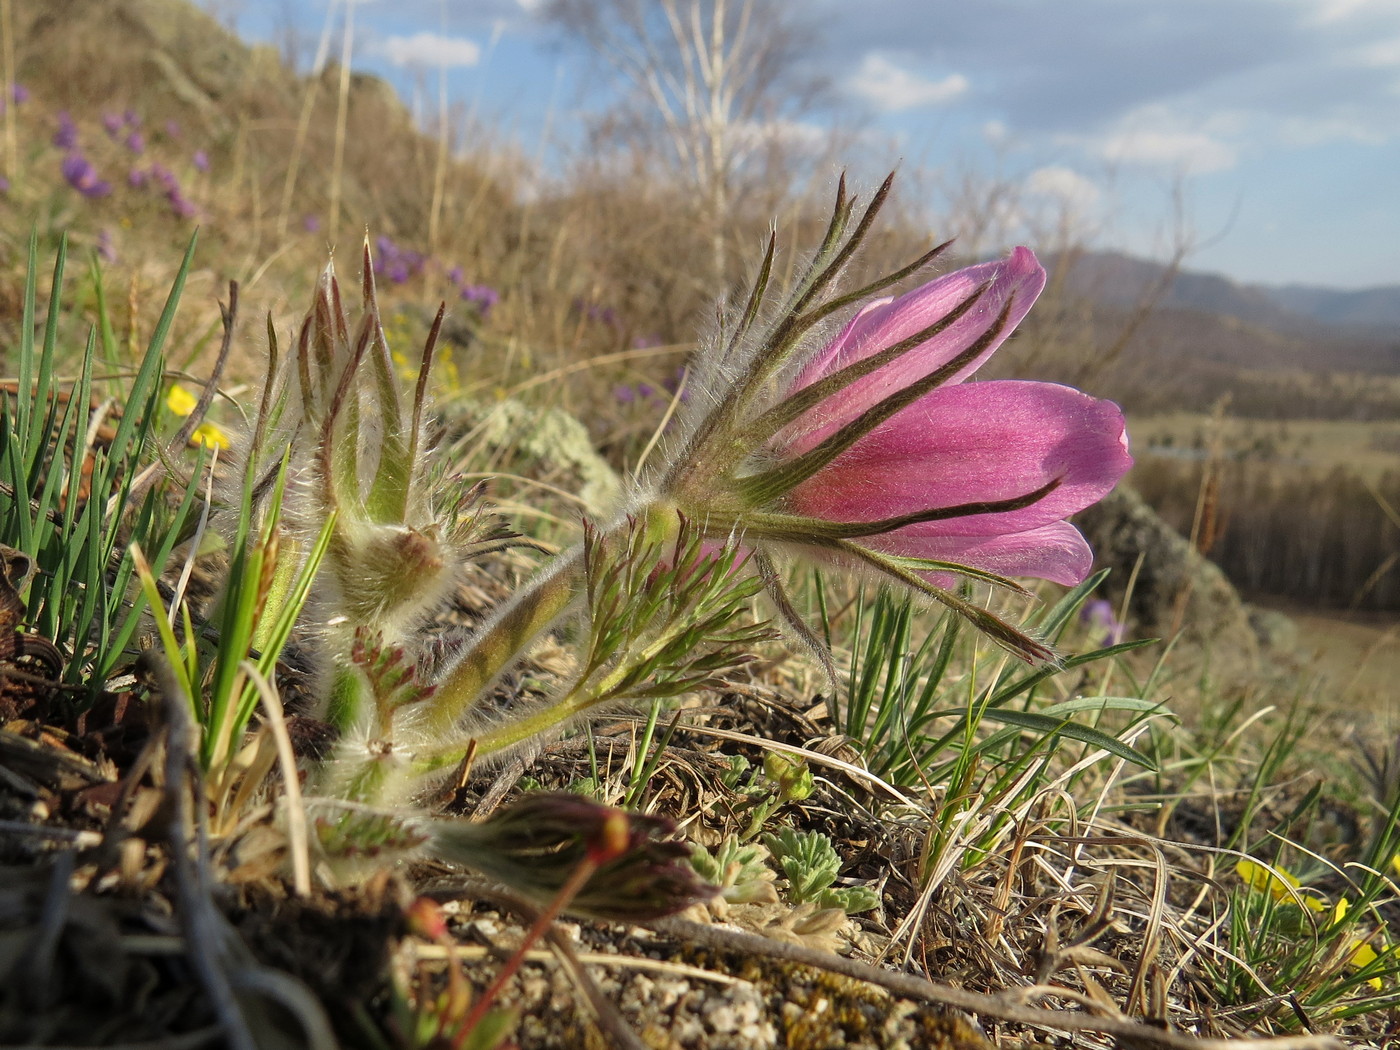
(210, 436)
(1363, 955)
(180, 401)
(1281, 885)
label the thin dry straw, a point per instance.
(341, 117)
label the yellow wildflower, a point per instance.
(210, 436)
(1281, 885)
(180, 401)
(1363, 955)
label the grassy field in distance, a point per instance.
(1368, 448)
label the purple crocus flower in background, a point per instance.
(455, 275)
(136, 178)
(1097, 615)
(81, 175)
(482, 296)
(165, 177)
(19, 94)
(676, 383)
(624, 395)
(136, 142)
(396, 263)
(112, 122)
(181, 205)
(172, 129)
(104, 246)
(310, 223)
(131, 118)
(4, 184)
(597, 312)
(201, 160)
(66, 137)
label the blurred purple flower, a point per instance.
(310, 223)
(181, 205)
(136, 142)
(645, 390)
(113, 123)
(66, 137)
(131, 118)
(455, 275)
(19, 93)
(136, 178)
(396, 263)
(482, 296)
(201, 160)
(646, 342)
(104, 246)
(172, 128)
(597, 312)
(82, 177)
(163, 175)
(624, 394)
(677, 382)
(4, 184)
(1097, 614)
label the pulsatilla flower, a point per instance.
(535, 844)
(875, 451)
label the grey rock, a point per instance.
(1174, 589)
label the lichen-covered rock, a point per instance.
(548, 444)
(1175, 590)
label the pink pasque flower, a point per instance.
(875, 451)
(983, 474)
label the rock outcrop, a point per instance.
(1174, 589)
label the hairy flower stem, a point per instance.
(503, 638)
(579, 699)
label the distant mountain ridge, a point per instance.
(1115, 279)
(1370, 307)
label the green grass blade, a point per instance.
(1050, 726)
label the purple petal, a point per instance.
(976, 443)
(1018, 277)
(1056, 552)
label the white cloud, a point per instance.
(1072, 190)
(796, 135)
(1155, 137)
(891, 87)
(1380, 54)
(1189, 151)
(431, 49)
(1329, 11)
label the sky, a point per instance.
(1263, 133)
